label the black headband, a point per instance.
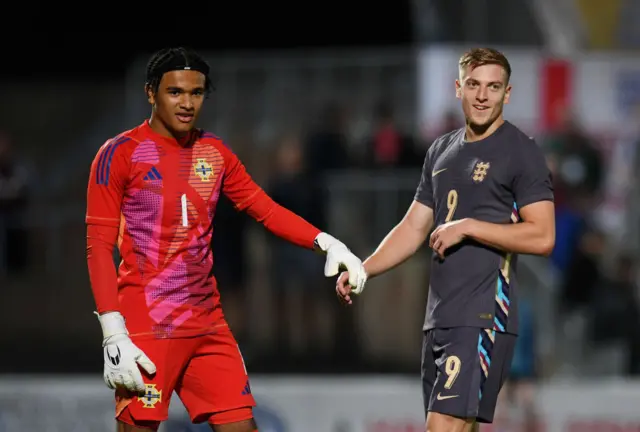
(179, 63)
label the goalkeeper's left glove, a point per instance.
(340, 257)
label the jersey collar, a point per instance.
(184, 142)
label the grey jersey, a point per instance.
(487, 180)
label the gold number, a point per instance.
(452, 204)
(452, 369)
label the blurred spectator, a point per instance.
(583, 273)
(326, 147)
(325, 150)
(230, 264)
(577, 169)
(614, 213)
(520, 389)
(13, 204)
(389, 147)
(230, 254)
(296, 281)
(616, 314)
(576, 163)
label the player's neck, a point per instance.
(479, 133)
(160, 128)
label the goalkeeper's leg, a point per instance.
(142, 426)
(215, 387)
(145, 412)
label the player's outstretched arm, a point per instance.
(401, 243)
(248, 196)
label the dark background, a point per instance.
(103, 42)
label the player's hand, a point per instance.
(340, 257)
(343, 289)
(121, 356)
(447, 235)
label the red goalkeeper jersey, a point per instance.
(161, 196)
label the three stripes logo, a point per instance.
(153, 174)
(103, 168)
(247, 389)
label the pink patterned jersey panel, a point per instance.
(167, 287)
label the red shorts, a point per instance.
(208, 374)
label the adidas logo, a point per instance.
(153, 174)
(247, 389)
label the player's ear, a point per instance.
(458, 89)
(150, 95)
(507, 94)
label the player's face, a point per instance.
(178, 100)
(483, 91)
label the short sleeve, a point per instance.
(107, 182)
(532, 178)
(424, 192)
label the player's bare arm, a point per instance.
(399, 245)
(534, 235)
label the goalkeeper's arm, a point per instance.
(102, 270)
(121, 355)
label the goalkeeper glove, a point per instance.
(121, 356)
(338, 257)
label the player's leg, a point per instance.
(438, 422)
(461, 357)
(143, 427)
(215, 386)
(499, 348)
(145, 412)
(242, 426)
(431, 375)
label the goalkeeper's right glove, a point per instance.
(121, 356)
(340, 257)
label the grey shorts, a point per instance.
(463, 370)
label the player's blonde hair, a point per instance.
(484, 56)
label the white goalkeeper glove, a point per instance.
(340, 257)
(121, 356)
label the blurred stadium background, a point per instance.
(333, 118)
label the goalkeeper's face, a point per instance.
(178, 100)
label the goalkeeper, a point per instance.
(154, 190)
